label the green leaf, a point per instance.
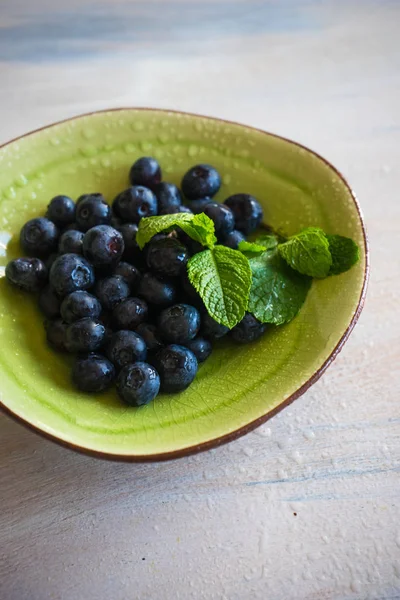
(308, 252)
(267, 241)
(277, 291)
(345, 253)
(251, 249)
(222, 277)
(198, 227)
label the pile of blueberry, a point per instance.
(130, 315)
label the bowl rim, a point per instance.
(237, 433)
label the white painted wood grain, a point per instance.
(307, 507)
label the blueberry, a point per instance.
(39, 237)
(192, 245)
(71, 242)
(92, 373)
(71, 227)
(126, 347)
(129, 314)
(157, 291)
(167, 257)
(91, 211)
(49, 302)
(95, 195)
(78, 305)
(71, 272)
(115, 222)
(201, 181)
(200, 347)
(134, 203)
(138, 384)
(130, 273)
(50, 260)
(185, 209)
(211, 329)
(132, 251)
(149, 333)
(222, 216)
(61, 211)
(179, 323)
(197, 206)
(189, 291)
(233, 239)
(248, 330)
(103, 246)
(84, 335)
(29, 274)
(168, 196)
(177, 367)
(247, 212)
(145, 171)
(173, 210)
(111, 290)
(56, 334)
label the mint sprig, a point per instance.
(269, 277)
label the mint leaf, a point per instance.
(202, 230)
(222, 277)
(267, 241)
(345, 253)
(308, 252)
(198, 227)
(251, 249)
(277, 291)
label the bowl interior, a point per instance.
(237, 385)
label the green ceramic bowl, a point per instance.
(238, 388)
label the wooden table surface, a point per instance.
(308, 506)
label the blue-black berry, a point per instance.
(168, 196)
(130, 273)
(71, 242)
(129, 314)
(49, 302)
(92, 373)
(103, 246)
(78, 305)
(167, 257)
(248, 330)
(85, 335)
(56, 334)
(125, 347)
(233, 239)
(29, 274)
(177, 367)
(91, 211)
(179, 324)
(210, 329)
(39, 237)
(71, 272)
(145, 171)
(61, 210)
(134, 203)
(200, 181)
(149, 333)
(200, 347)
(138, 384)
(111, 290)
(247, 211)
(222, 217)
(156, 290)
